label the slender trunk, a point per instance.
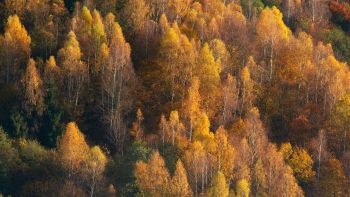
(271, 59)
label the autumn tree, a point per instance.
(170, 74)
(137, 129)
(52, 72)
(208, 72)
(274, 168)
(179, 183)
(33, 89)
(118, 79)
(134, 15)
(300, 162)
(243, 188)
(339, 126)
(73, 150)
(230, 100)
(192, 105)
(224, 154)
(95, 165)
(152, 177)
(196, 161)
(15, 48)
(74, 70)
(98, 38)
(271, 32)
(218, 186)
(247, 94)
(332, 179)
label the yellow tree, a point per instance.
(247, 96)
(224, 154)
(33, 89)
(174, 63)
(169, 60)
(196, 162)
(152, 177)
(98, 37)
(74, 69)
(192, 104)
(299, 160)
(208, 72)
(82, 27)
(175, 126)
(15, 49)
(95, 165)
(118, 80)
(272, 32)
(176, 9)
(219, 187)
(179, 183)
(242, 188)
(137, 130)
(52, 73)
(73, 149)
(134, 15)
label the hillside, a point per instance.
(208, 98)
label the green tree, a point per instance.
(9, 162)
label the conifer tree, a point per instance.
(33, 89)
(73, 149)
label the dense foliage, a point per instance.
(212, 98)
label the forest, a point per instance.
(174, 98)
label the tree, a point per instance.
(175, 126)
(118, 81)
(15, 50)
(242, 188)
(179, 184)
(224, 154)
(272, 32)
(133, 16)
(300, 162)
(247, 97)
(33, 89)
(332, 180)
(96, 163)
(339, 126)
(73, 149)
(74, 70)
(52, 125)
(98, 38)
(192, 105)
(10, 160)
(208, 72)
(152, 177)
(52, 72)
(230, 100)
(279, 177)
(196, 162)
(169, 58)
(137, 130)
(170, 77)
(218, 186)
